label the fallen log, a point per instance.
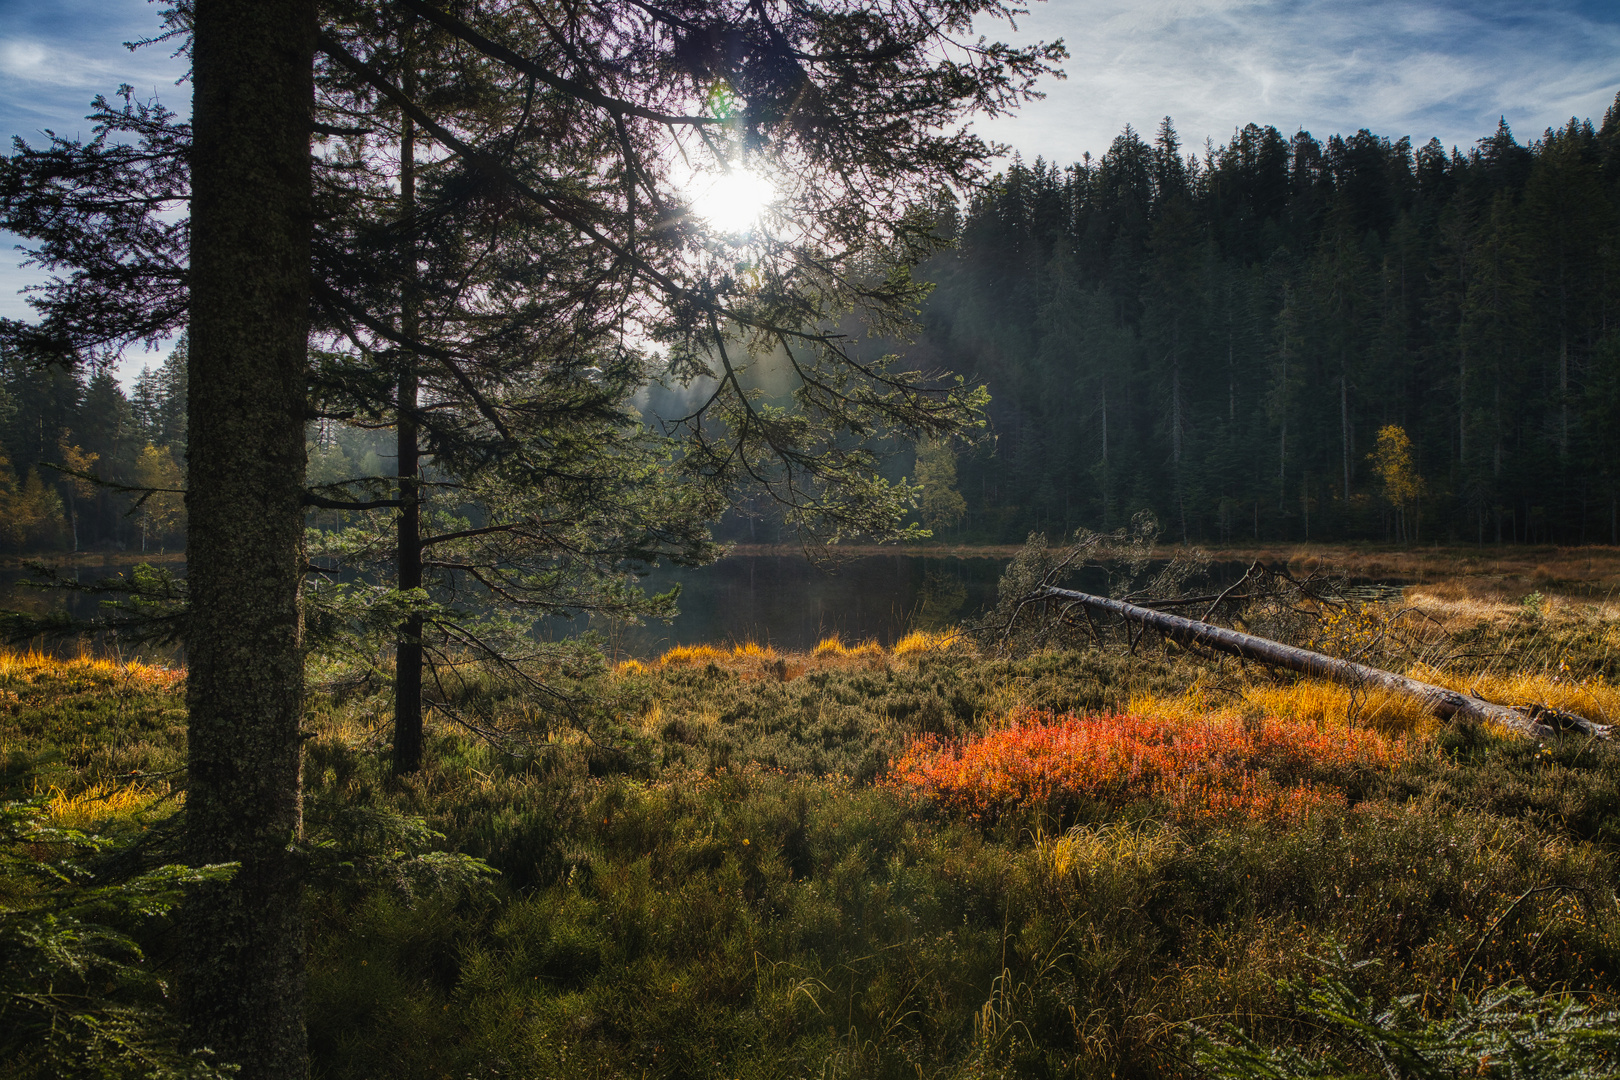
(1534, 720)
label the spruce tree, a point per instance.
(598, 109)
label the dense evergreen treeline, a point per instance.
(1222, 338)
(58, 428)
(1218, 338)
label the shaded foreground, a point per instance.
(860, 862)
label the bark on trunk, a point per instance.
(408, 646)
(242, 988)
(1533, 720)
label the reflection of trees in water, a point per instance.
(940, 599)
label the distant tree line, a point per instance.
(1278, 339)
(1285, 339)
(85, 466)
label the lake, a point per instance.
(792, 603)
(781, 600)
(786, 601)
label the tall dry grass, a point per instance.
(752, 660)
(100, 803)
(28, 665)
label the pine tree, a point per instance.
(859, 117)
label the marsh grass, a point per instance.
(720, 878)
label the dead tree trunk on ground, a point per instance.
(1535, 720)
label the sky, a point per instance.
(1441, 68)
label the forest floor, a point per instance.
(926, 861)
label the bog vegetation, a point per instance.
(924, 859)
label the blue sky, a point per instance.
(1422, 68)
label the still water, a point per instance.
(785, 601)
(791, 603)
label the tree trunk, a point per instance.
(242, 988)
(408, 647)
(1344, 434)
(1533, 720)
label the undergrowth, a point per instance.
(927, 861)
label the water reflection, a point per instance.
(780, 600)
(790, 603)
(785, 601)
(18, 594)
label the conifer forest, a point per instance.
(1222, 336)
(1225, 338)
(492, 346)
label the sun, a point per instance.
(734, 201)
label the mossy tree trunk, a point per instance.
(243, 982)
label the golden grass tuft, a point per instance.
(752, 659)
(830, 646)
(1137, 848)
(32, 664)
(693, 654)
(1596, 698)
(834, 647)
(97, 803)
(1328, 706)
(927, 641)
(750, 650)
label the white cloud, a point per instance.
(22, 59)
(26, 64)
(1398, 68)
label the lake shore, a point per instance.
(63, 560)
(1588, 565)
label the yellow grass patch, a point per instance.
(97, 803)
(1596, 699)
(1329, 705)
(1137, 849)
(830, 646)
(834, 647)
(925, 641)
(750, 650)
(753, 659)
(693, 654)
(32, 664)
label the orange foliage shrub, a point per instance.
(1213, 768)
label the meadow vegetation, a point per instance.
(918, 860)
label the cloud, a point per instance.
(22, 59)
(1446, 69)
(55, 56)
(26, 65)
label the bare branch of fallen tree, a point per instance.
(1533, 720)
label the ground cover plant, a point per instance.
(924, 859)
